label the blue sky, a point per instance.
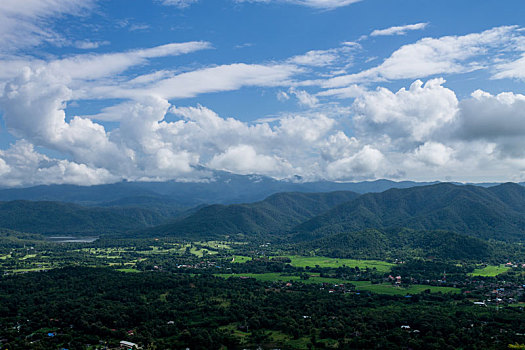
(100, 91)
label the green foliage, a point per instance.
(406, 243)
(495, 212)
(65, 218)
(489, 271)
(276, 214)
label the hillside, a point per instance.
(274, 215)
(489, 213)
(66, 218)
(404, 243)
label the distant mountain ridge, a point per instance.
(496, 212)
(225, 188)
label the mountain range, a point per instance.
(440, 219)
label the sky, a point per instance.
(101, 91)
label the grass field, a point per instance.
(322, 261)
(240, 259)
(303, 261)
(391, 290)
(489, 271)
(360, 285)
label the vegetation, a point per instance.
(277, 213)
(204, 312)
(490, 271)
(434, 267)
(494, 212)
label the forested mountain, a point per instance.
(67, 218)
(276, 214)
(496, 212)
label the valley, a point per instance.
(268, 274)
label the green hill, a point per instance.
(274, 215)
(66, 218)
(489, 213)
(405, 243)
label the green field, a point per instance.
(322, 261)
(360, 285)
(239, 259)
(275, 276)
(312, 261)
(490, 271)
(392, 290)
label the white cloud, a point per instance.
(26, 23)
(243, 159)
(21, 165)
(434, 154)
(88, 44)
(93, 66)
(513, 69)
(179, 3)
(304, 98)
(223, 78)
(316, 58)
(351, 91)
(399, 30)
(430, 56)
(282, 96)
(408, 115)
(363, 164)
(319, 4)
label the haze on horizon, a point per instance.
(95, 92)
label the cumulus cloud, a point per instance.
(243, 159)
(21, 165)
(433, 153)
(406, 116)
(412, 132)
(494, 118)
(363, 164)
(399, 30)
